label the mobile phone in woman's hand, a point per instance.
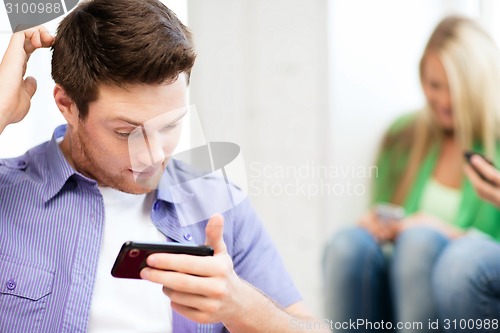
(468, 156)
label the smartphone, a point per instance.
(468, 155)
(132, 256)
(389, 212)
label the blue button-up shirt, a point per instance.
(51, 224)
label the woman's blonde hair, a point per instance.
(472, 63)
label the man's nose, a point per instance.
(155, 146)
(150, 152)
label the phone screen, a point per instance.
(389, 212)
(132, 256)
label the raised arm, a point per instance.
(15, 91)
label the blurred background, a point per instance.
(306, 88)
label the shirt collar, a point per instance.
(59, 170)
(173, 176)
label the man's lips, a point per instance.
(148, 172)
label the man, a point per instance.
(66, 204)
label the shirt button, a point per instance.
(188, 237)
(11, 284)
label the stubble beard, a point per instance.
(87, 163)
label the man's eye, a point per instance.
(123, 134)
(169, 127)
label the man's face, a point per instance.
(129, 134)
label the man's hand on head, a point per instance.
(15, 91)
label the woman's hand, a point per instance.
(382, 230)
(489, 191)
(388, 230)
(425, 220)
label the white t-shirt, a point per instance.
(126, 305)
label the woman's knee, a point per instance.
(350, 244)
(467, 268)
(418, 247)
(415, 254)
(420, 242)
(350, 247)
(355, 275)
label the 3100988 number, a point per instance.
(470, 324)
(33, 8)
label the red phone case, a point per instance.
(132, 256)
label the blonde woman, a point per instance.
(421, 169)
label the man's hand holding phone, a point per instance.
(203, 289)
(15, 91)
(484, 177)
(132, 256)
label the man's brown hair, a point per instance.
(119, 42)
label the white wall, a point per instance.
(260, 81)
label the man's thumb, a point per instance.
(30, 85)
(214, 231)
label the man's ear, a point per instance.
(66, 105)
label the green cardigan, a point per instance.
(392, 161)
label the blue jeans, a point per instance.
(361, 282)
(466, 284)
